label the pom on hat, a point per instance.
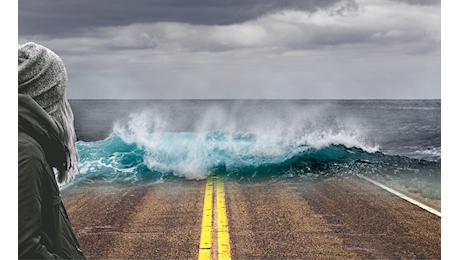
(41, 74)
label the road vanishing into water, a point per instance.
(291, 218)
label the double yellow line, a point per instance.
(207, 230)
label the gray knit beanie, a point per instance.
(41, 74)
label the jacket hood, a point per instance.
(38, 124)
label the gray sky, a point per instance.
(241, 49)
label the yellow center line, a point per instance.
(223, 239)
(206, 226)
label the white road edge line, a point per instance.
(425, 207)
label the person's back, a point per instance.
(46, 140)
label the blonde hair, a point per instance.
(61, 112)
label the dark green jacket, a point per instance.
(44, 230)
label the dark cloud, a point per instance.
(419, 2)
(50, 17)
(241, 49)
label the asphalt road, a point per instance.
(151, 222)
(292, 218)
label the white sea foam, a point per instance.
(217, 141)
(188, 140)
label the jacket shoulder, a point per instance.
(29, 148)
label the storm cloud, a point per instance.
(241, 49)
(71, 17)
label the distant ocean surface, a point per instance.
(152, 140)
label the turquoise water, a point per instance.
(157, 156)
(153, 141)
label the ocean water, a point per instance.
(148, 141)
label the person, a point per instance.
(46, 156)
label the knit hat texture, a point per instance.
(41, 74)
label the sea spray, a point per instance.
(245, 139)
(135, 153)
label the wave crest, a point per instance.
(135, 155)
(148, 147)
